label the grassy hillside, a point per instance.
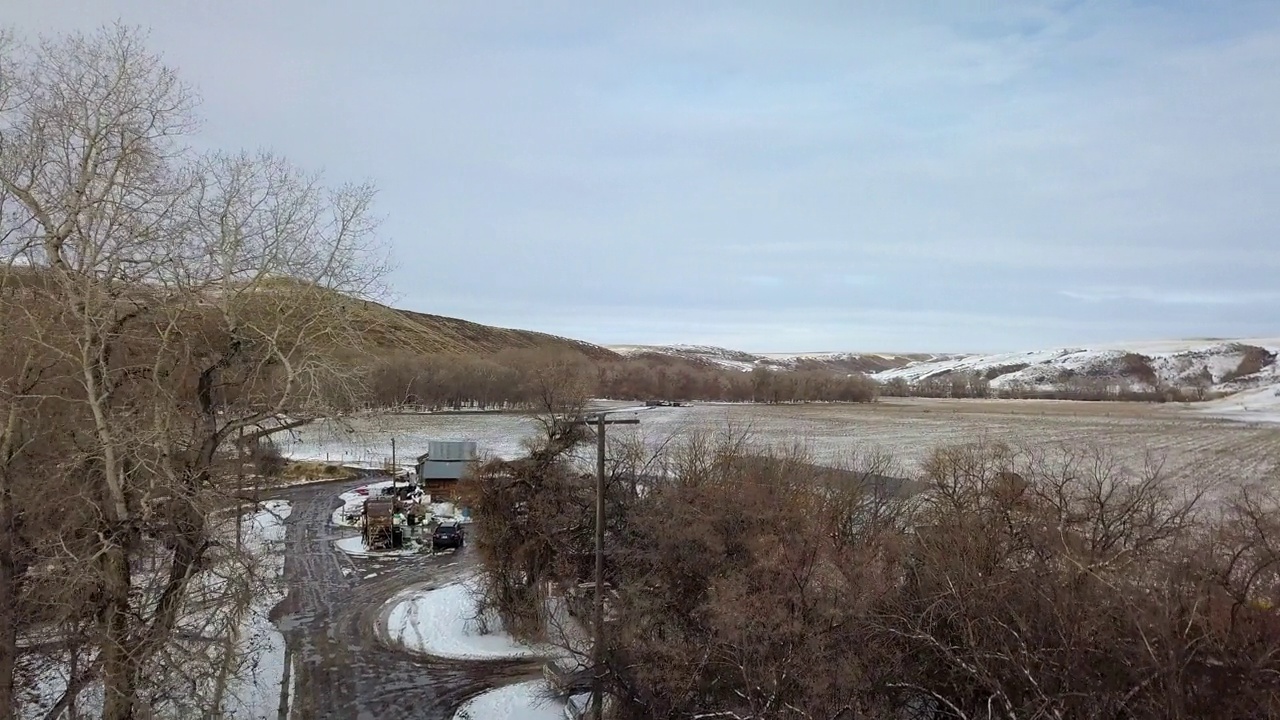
(390, 328)
(387, 328)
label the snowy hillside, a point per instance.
(703, 354)
(1220, 365)
(738, 360)
(1204, 367)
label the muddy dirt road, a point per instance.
(341, 668)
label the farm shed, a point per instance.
(444, 463)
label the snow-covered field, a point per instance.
(444, 622)
(907, 428)
(366, 441)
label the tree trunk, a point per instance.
(12, 567)
(118, 671)
(9, 578)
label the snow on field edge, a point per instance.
(1260, 405)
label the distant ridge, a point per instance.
(1217, 364)
(711, 355)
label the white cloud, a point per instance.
(1172, 296)
(787, 161)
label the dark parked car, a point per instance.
(448, 534)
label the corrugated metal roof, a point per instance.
(446, 450)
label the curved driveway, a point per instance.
(341, 667)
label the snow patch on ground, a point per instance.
(1260, 405)
(349, 514)
(521, 701)
(254, 693)
(442, 622)
(364, 492)
(354, 547)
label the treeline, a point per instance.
(1005, 583)
(522, 379)
(518, 379)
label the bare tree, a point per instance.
(190, 299)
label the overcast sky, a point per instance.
(945, 176)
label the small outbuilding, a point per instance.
(444, 463)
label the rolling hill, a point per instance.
(712, 356)
(381, 327)
(390, 328)
(1218, 365)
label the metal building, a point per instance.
(446, 460)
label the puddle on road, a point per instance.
(293, 621)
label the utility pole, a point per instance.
(597, 645)
(597, 648)
(393, 458)
(240, 488)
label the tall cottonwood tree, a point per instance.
(166, 304)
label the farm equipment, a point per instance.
(380, 530)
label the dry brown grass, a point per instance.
(390, 328)
(307, 470)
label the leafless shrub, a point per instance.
(532, 517)
(1060, 584)
(1005, 582)
(267, 460)
(995, 372)
(1138, 367)
(1254, 360)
